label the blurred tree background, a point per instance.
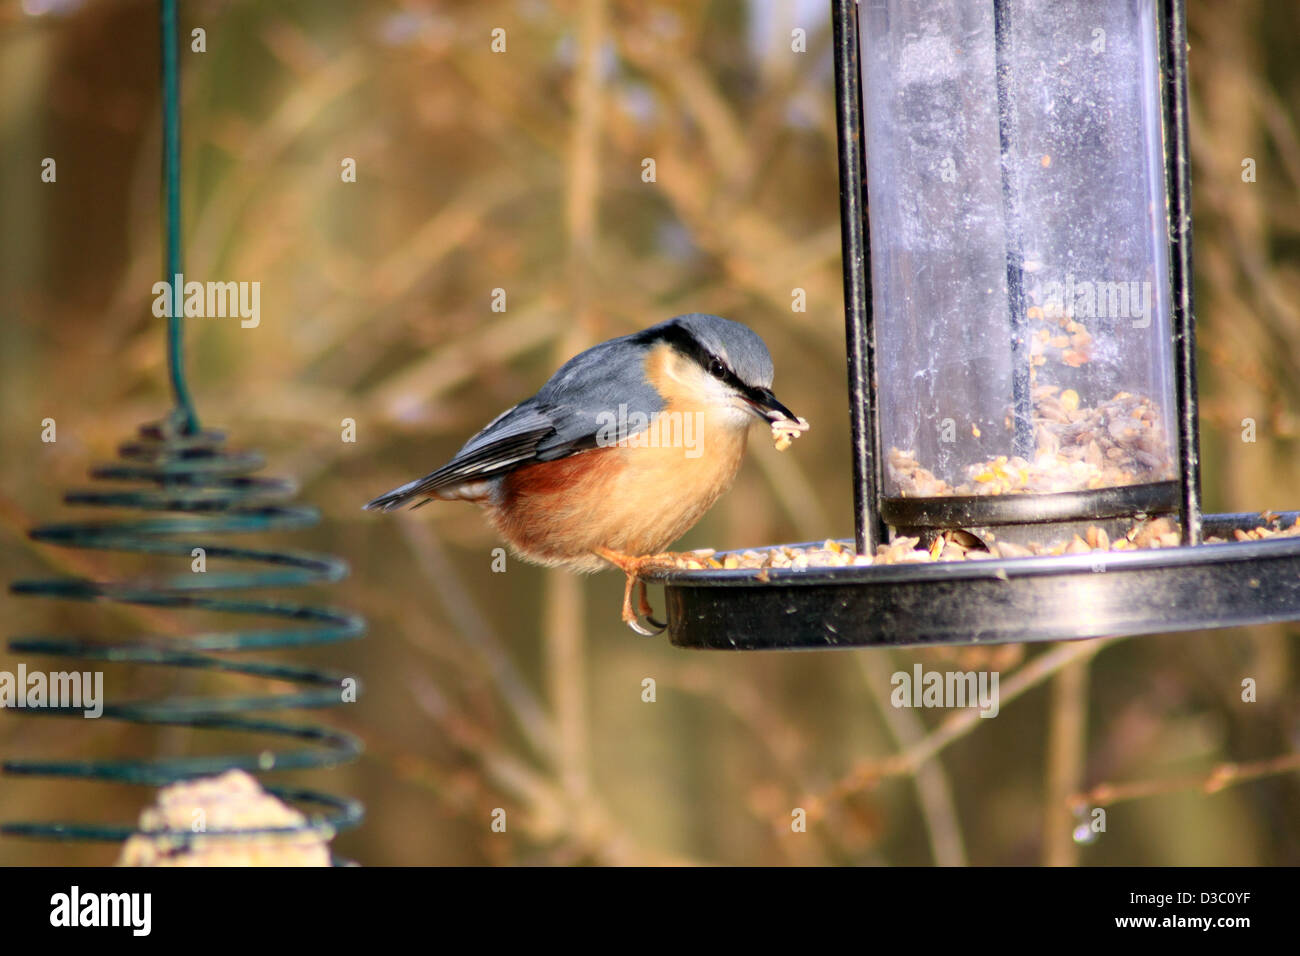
(522, 171)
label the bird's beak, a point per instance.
(765, 406)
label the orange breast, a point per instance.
(635, 498)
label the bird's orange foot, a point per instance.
(634, 566)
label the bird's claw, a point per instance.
(636, 625)
(632, 618)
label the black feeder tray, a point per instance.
(1019, 326)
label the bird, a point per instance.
(620, 453)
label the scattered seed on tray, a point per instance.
(950, 546)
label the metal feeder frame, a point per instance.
(1194, 586)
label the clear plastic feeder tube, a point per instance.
(1019, 256)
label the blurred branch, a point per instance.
(580, 208)
(1220, 778)
(751, 710)
(472, 628)
(788, 480)
(563, 628)
(305, 100)
(932, 786)
(687, 83)
(548, 811)
(382, 285)
(455, 362)
(869, 772)
(1066, 752)
(565, 646)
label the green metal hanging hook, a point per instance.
(183, 417)
(185, 490)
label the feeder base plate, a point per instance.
(1104, 593)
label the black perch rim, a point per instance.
(958, 511)
(995, 601)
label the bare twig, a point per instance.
(565, 635)
(932, 786)
(869, 772)
(1066, 752)
(473, 630)
(1220, 778)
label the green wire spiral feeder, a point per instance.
(202, 488)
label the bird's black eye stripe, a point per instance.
(681, 339)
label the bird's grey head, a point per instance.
(736, 345)
(731, 353)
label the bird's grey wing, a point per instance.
(592, 400)
(599, 397)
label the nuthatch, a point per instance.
(621, 452)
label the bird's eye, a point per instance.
(717, 369)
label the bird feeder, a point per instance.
(1015, 206)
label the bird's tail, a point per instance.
(427, 489)
(398, 497)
